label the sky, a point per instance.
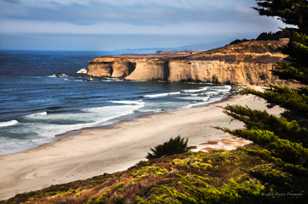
(127, 24)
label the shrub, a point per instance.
(176, 145)
(274, 36)
(238, 41)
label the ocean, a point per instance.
(41, 97)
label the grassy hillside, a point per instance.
(216, 177)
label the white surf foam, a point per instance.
(215, 99)
(36, 115)
(89, 117)
(107, 113)
(12, 145)
(216, 93)
(110, 79)
(61, 75)
(210, 93)
(225, 88)
(52, 76)
(157, 110)
(114, 110)
(128, 102)
(195, 90)
(82, 71)
(43, 127)
(160, 95)
(195, 98)
(207, 101)
(197, 104)
(8, 123)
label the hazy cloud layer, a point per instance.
(166, 17)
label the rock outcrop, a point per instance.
(121, 69)
(149, 70)
(248, 62)
(100, 69)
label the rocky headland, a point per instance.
(249, 62)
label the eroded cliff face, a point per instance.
(149, 70)
(121, 69)
(243, 63)
(220, 72)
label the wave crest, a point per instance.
(127, 102)
(160, 95)
(36, 115)
(8, 123)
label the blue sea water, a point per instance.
(36, 105)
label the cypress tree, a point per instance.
(292, 12)
(283, 140)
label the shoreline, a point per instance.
(39, 133)
(124, 119)
(116, 121)
(89, 152)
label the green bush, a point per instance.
(176, 145)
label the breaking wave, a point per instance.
(160, 95)
(8, 123)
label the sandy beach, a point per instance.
(94, 151)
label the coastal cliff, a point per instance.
(249, 62)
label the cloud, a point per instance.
(173, 3)
(196, 28)
(12, 1)
(131, 16)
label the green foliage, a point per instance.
(289, 11)
(284, 138)
(288, 151)
(274, 36)
(287, 70)
(266, 172)
(297, 49)
(149, 170)
(274, 178)
(238, 41)
(295, 101)
(280, 126)
(195, 189)
(175, 145)
(297, 65)
(267, 155)
(183, 178)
